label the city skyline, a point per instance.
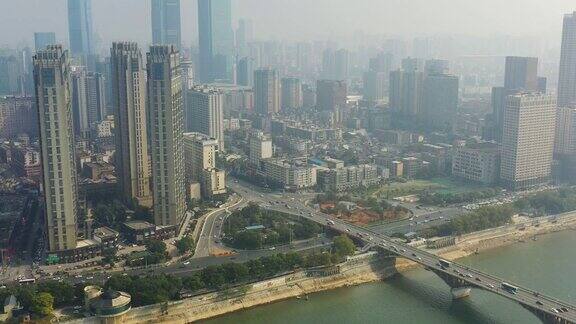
(132, 19)
(259, 151)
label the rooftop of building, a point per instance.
(484, 146)
(205, 139)
(104, 232)
(138, 225)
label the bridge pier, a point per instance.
(460, 292)
(459, 288)
(545, 317)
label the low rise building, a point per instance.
(106, 237)
(139, 231)
(26, 162)
(213, 182)
(342, 178)
(478, 163)
(290, 174)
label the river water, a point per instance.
(418, 296)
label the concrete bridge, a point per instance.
(460, 278)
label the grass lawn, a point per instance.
(443, 185)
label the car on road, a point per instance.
(186, 263)
(539, 303)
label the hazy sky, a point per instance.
(300, 19)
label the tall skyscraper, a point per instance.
(341, 64)
(81, 32)
(565, 142)
(567, 78)
(131, 134)
(206, 113)
(381, 63)
(335, 64)
(405, 91)
(328, 64)
(291, 93)
(521, 74)
(10, 75)
(216, 40)
(375, 85)
(88, 100)
(166, 112)
(43, 39)
(166, 22)
(528, 139)
(440, 101)
(331, 95)
(53, 99)
(331, 100)
(266, 91)
(245, 72)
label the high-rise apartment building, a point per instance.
(200, 156)
(88, 100)
(53, 99)
(205, 107)
(375, 85)
(216, 40)
(335, 64)
(331, 95)
(260, 148)
(266, 91)
(166, 22)
(10, 75)
(440, 101)
(405, 91)
(291, 93)
(43, 39)
(166, 112)
(128, 75)
(331, 99)
(567, 70)
(80, 31)
(528, 139)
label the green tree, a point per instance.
(109, 256)
(42, 304)
(62, 292)
(185, 244)
(344, 246)
(156, 247)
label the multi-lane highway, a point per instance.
(547, 308)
